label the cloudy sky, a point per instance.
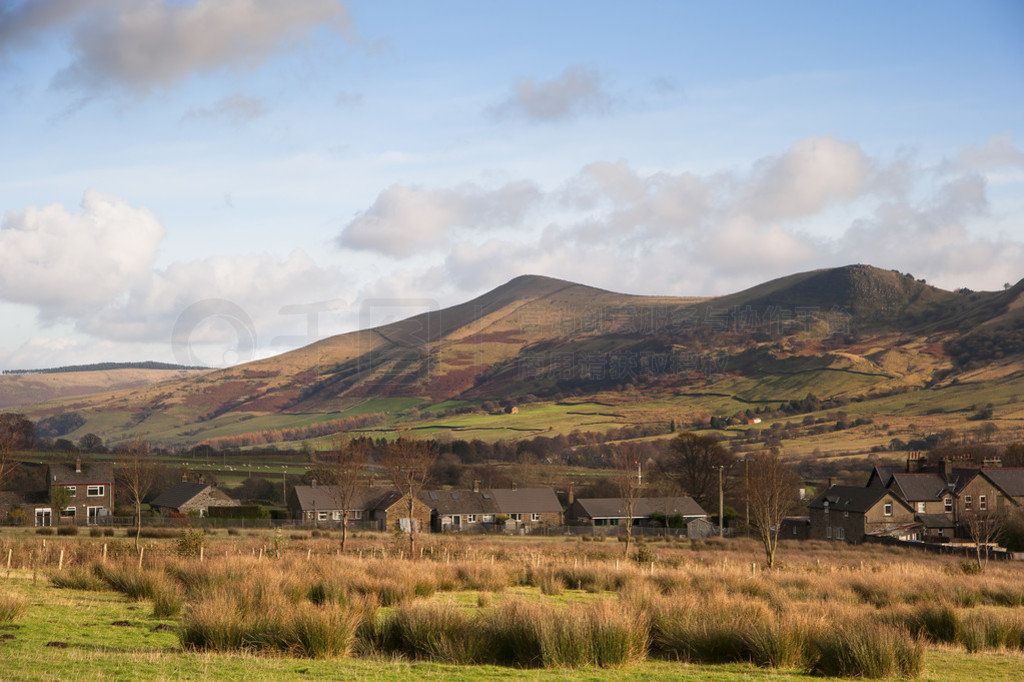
(214, 180)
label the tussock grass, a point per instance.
(872, 651)
(12, 606)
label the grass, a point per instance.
(703, 614)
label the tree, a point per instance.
(407, 463)
(692, 463)
(60, 499)
(984, 526)
(136, 472)
(343, 470)
(90, 442)
(16, 433)
(629, 479)
(772, 490)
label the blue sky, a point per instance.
(203, 164)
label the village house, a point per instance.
(90, 486)
(606, 512)
(186, 498)
(494, 509)
(849, 513)
(371, 507)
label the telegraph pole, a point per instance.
(721, 503)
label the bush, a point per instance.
(190, 542)
(873, 651)
(67, 530)
(11, 607)
(77, 578)
(45, 530)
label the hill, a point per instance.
(850, 334)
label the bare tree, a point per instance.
(692, 463)
(984, 527)
(407, 463)
(773, 493)
(136, 472)
(16, 433)
(629, 479)
(342, 470)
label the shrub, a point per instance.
(11, 607)
(77, 578)
(44, 530)
(873, 651)
(190, 542)
(67, 530)
(95, 532)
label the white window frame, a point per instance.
(470, 518)
(535, 517)
(947, 504)
(69, 512)
(828, 532)
(840, 533)
(968, 502)
(356, 514)
(337, 515)
(922, 507)
(887, 509)
(516, 517)
(982, 502)
(488, 518)
(93, 514)
(89, 491)
(73, 490)
(321, 516)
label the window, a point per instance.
(968, 502)
(846, 514)
(337, 516)
(72, 489)
(516, 517)
(488, 518)
(95, 491)
(535, 517)
(982, 502)
(828, 532)
(921, 507)
(322, 516)
(887, 509)
(356, 514)
(68, 513)
(947, 504)
(470, 518)
(840, 533)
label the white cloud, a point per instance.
(813, 174)
(997, 152)
(578, 89)
(234, 109)
(139, 44)
(404, 221)
(64, 263)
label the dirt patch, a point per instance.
(58, 645)
(163, 627)
(6, 635)
(121, 623)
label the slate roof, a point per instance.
(460, 502)
(1010, 480)
(919, 487)
(614, 507)
(325, 498)
(92, 473)
(935, 521)
(851, 498)
(181, 493)
(525, 500)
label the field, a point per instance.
(289, 605)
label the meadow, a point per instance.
(287, 604)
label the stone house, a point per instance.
(849, 513)
(91, 489)
(186, 497)
(494, 509)
(611, 511)
(371, 507)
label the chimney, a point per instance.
(831, 482)
(914, 462)
(476, 486)
(947, 469)
(514, 486)
(572, 497)
(312, 483)
(992, 463)
(371, 478)
(78, 465)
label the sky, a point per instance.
(213, 181)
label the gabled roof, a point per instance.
(919, 487)
(615, 507)
(325, 498)
(525, 500)
(92, 473)
(1010, 480)
(178, 494)
(852, 498)
(883, 475)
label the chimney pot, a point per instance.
(78, 465)
(514, 486)
(476, 486)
